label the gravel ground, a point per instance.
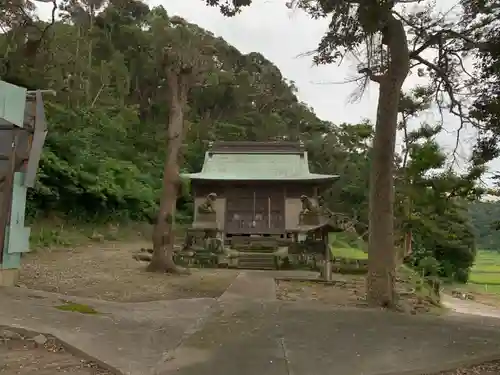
(349, 290)
(491, 368)
(40, 355)
(107, 271)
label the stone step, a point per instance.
(258, 261)
(254, 244)
(254, 250)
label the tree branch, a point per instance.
(455, 107)
(369, 73)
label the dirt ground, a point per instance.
(490, 298)
(345, 291)
(107, 271)
(491, 368)
(350, 290)
(23, 356)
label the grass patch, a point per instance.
(486, 269)
(342, 245)
(60, 233)
(77, 307)
(493, 289)
(487, 261)
(488, 278)
(348, 253)
(484, 279)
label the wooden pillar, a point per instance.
(269, 213)
(328, 257)
(6, 193)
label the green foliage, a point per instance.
(48, 237)
(64, 232)
(88, 169)
(344, 151)
(484, 217)
(486, 108)
(104, 154)
(442, 233)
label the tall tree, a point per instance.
(23, 34)
(441, 232)
(410, 107)
(486, 107)
(392, 35)
(183, 53)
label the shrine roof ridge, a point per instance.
(257, 161)
(256, 147)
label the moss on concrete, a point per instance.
(77, 307)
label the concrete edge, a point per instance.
(298, 278)
(235, 280)
(307, 280)
(197, 326)
(230, 294)
(449, 366)
(29, 292)
(67, 346)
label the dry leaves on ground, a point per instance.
(350, 291)
(40, 355)
(490, 368)
(107, 271)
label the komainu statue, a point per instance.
(308, 207)
(309, 215)
(207, 207)
(321, 202)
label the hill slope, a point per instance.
(105, 148)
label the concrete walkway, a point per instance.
(248, 332)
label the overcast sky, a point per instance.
(282, 36)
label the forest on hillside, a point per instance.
(485, 219)
(106, 146)
(104, 154)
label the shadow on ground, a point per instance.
(277, 338)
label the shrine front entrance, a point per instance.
(255, 210)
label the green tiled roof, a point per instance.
(257, 166)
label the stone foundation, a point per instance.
(9, 277)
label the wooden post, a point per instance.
(269, 212)
(6, 190)
(328, 257)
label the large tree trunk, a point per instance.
(381, 254)
(163, 232)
